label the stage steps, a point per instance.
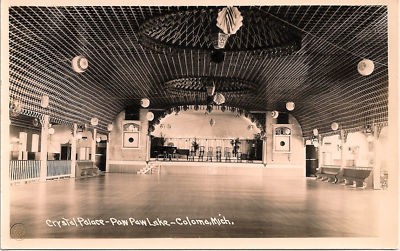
(150, 169)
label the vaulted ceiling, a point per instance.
(304, 54)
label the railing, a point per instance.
(24, 170)
(58, 168)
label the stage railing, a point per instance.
(58, 168)
(21, 170)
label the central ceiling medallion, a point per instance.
(201, 85)
(208, 28)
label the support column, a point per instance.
(342, 143)
(93, 148)
(108, 153)
(43, 148)
(343, 161)
(320, 140)
(264, 151)
(376, 178)
(73, 151)
(148, 146)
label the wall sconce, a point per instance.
(369, 133)
(314, 141)
(334, 126)
(274, 114)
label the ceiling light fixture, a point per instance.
(44, 101)
(94, 121)
(145, 102)
(334, 126)
(150, 116)
(229, 20)
(79, 64)
(219, 99)
(365, 67)
(290, 106)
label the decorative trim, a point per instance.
(174, 32)
(198, 85)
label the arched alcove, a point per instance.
(199, 124)
(208, 129)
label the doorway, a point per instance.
(66, 152)
(311, 160)
(101, 155)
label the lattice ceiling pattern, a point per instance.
(320, 77)
(196, 29)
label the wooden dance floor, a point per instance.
(189, 205)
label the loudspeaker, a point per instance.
(132, 113)
(283, 118)
(131, 140)
(282, 143)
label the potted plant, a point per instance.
(236, 145)
(195, 145)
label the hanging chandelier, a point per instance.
(219, 99)
(229, 21)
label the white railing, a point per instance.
(24, 170)
(58, 168)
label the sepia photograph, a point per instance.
(214, 125)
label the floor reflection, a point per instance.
(258, 207)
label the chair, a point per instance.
(192, 153)
(250, 155)
(209, 154)
(239, 156)
(218, 153)
(172, 155)
(227, 154)
(201, 153)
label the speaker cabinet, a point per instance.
(283, 118)
(132, 113)
(131, 140)
(282, 144)
(282, 138)
(131, 134)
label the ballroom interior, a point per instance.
(269, 121)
